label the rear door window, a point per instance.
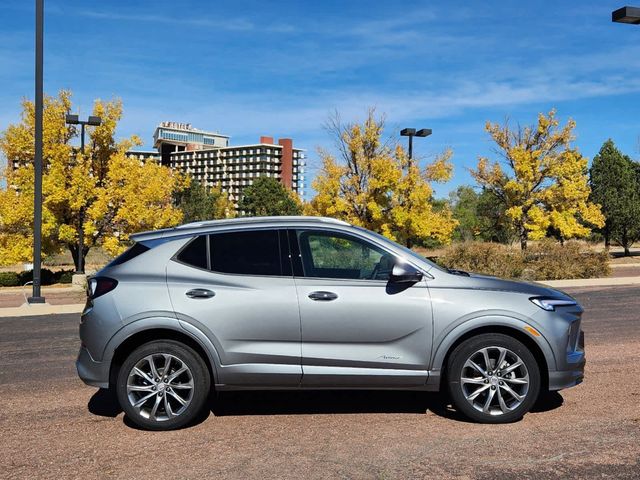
(254, 252)
(194, 253)
(135, 250)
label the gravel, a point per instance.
(53, 426)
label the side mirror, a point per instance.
(405, 273)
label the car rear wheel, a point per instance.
(163, 385)
(493, 378)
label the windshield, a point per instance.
(404, 249)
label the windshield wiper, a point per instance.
(458, 272)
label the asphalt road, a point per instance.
(53, 426)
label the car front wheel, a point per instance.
(493, 378)
(163, 385)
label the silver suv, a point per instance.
(307, 302)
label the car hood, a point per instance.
(485, 282)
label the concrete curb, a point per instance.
(593, 282)
(27, 310)
(26, 289)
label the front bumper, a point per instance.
(95, 374)
(559, 380)
(562, 330)
(573, 373)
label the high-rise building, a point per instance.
(209, 159)
(172, 137)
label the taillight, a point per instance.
(100, 285)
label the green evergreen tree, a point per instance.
(267, 197)
(615, 185)
(495, 224)
(198, 204)
(464, 203)
(480, 215)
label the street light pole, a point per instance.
(37, 160)
(410, 147)
(411, 132)
(93, 121)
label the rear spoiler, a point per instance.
(181, 231)
(149, 235)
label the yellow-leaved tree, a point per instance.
(375, 186)
(545, 186)
(99, 195)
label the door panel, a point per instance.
(368, 332)
(366, 326)
(253, 321)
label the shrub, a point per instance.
(545, 260)
(47, 277)
(9, 279)
(549, 260)
(486, 258)
(15, 279)
(63, 276)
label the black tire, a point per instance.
(196, 397)
(459, 390)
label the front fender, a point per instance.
(484, 321)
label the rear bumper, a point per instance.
(95, 374)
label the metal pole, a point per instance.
(81, 216)
(37, 187)
(410, 148)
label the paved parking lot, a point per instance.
(53, 426)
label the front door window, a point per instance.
(334, 255)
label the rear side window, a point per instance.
(246, 253)
(195, 253)
(135, 250)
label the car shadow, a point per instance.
(307, 402)
(349, 401)
(104, 403)
(547, 401)
(275, 402)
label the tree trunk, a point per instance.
(607, 236)
(626, 243)
(524, 236)
(80, 263)
(73, 248)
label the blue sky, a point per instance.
(280, 68)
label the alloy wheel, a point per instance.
(495, 380)
(160, 387)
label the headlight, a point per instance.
(549, 303)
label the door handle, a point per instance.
(323, 296)
(200, 293)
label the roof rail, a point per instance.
(171, 232)
(291, 218)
